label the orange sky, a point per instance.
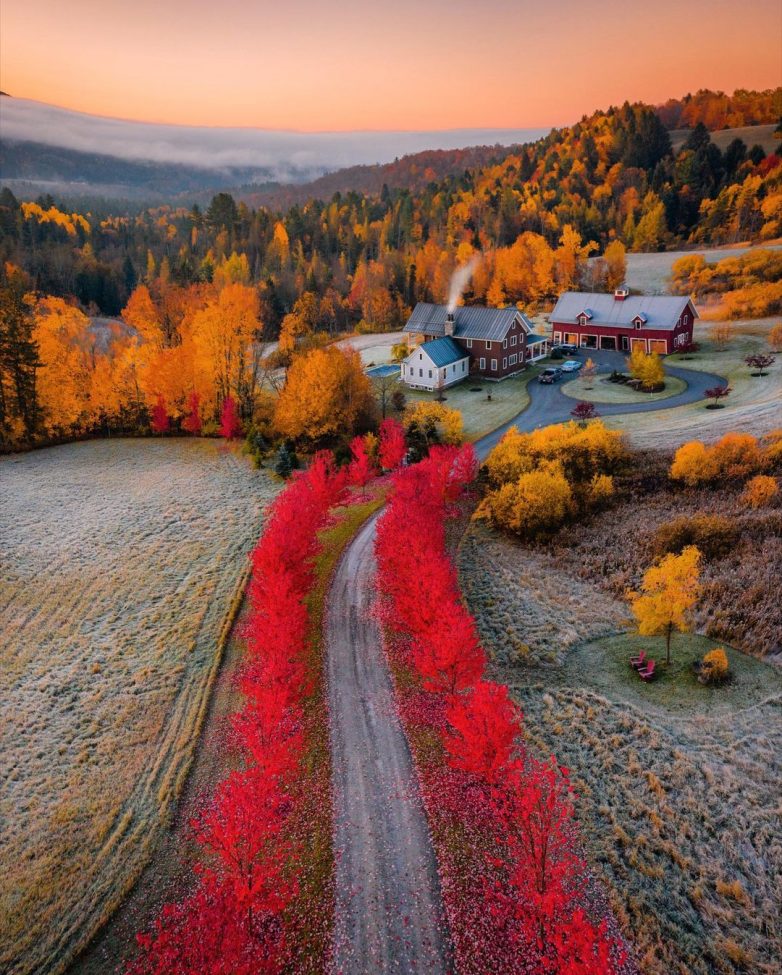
(359, 64)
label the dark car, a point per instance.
(550, 375)
(566, 348)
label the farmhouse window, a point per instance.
(464, 365)
(514, 359)
(488, 346)
(430, 373)
(505, 362)
(493, 365)
(468, 343)
(483, 363)
(420, 373)
(505, 343)
(514, 339)
(420, 355)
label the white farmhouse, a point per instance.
(436, 365)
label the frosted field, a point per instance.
(118, 563)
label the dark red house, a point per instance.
(623, 322)
(499, 341)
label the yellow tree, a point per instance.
(775, 338)
(225, 337)
(67, 351)
(668, 593)
(648, 369)
(616, 264)
(326, 395)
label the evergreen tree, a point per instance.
(286, 461)
(18, 355)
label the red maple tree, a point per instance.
(230, 424)
(159, 421)
(192, 422)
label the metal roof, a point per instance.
(656, 311)
(442, 351)
(470, 321)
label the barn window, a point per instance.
(638, 323)
(582, 319)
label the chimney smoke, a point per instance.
(459, 280)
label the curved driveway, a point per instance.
(388, 909)
(548, 404)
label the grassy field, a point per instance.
(762, 135)
(600, 390)
(121, 561)
(677, 783)
(754, 406)
(650, 273)
(480, 414)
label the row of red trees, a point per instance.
(244, 904)
(515, 888)
(230, 423)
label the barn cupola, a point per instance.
(621, 293)
(450, 323)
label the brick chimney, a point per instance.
(450, 324)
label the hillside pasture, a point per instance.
(121, 561)
(651, 273)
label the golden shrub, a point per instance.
(760, 490)
(735, 456)
(715, 665)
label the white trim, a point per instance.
(482, 364)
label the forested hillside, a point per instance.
(609, 183)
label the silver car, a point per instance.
(571, 365)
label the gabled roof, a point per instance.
(470, 321)
(655, 311)
(442, 351)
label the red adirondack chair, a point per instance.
(638, 661)
(647, 672)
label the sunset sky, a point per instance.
(358, 64)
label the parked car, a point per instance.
(571, 365)
(550, 375)
(567, 348)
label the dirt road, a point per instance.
(388, 909)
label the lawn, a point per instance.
(121, 562)
(481, 415)
(754, 406)
(600, 390)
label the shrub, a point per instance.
(538, 502)
(714, 535)
(760, 491)
(736, 456)
(714, 666)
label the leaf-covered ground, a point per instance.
(120, 561)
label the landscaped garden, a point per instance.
(600, 389)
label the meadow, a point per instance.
(121, 563)
(677, 783)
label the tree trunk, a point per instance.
(668, 644)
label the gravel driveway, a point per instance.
(388, 912)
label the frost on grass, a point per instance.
(119, 562)
(527, 609)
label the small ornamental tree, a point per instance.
(647, 369)
(192, 422)
(584, 411)
(392, 447)
(669, 591)
(160, 422)
(715, 394)
(759, 362)
(589, 372)
(230, 424)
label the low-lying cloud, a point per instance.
(221, 148)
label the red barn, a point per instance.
(623, 322)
